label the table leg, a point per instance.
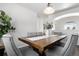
(42, 53)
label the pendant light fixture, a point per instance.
(49, 10)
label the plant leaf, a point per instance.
(2, 13)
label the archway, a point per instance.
(60, 27)
(66, 15)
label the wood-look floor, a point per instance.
(30, 52)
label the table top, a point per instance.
(39, 37)
(42, 41)
(48, 40)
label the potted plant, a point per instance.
(48, 27)
(5, 23)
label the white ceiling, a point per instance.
(39, 7)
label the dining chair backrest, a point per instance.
(70, 45)
(10, 46)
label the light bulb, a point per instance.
(49, 10)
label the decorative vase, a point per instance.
(48, 32)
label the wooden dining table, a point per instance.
(41, 43)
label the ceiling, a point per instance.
(39, 7)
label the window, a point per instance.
(70, 25)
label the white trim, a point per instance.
(66, 15)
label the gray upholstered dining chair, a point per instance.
(11, 48)
(67, 50)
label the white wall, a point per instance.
(23, 19)
(54, 16)
(60, 24)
